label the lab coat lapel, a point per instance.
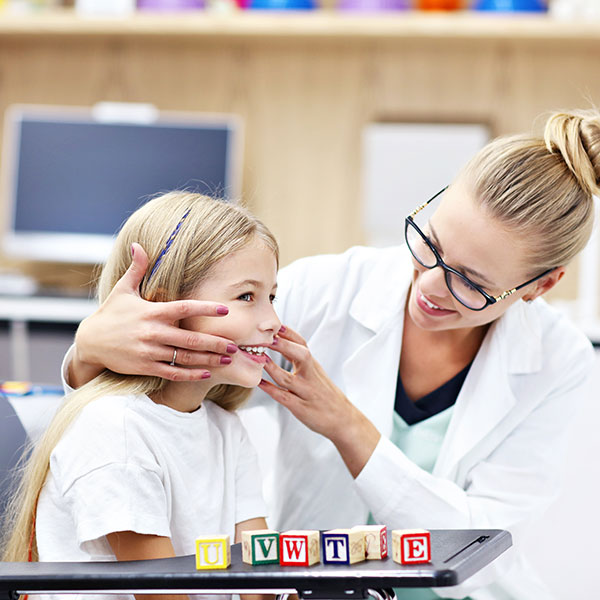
(512, 346)
(370, 372)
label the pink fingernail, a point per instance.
(222, 310)
(232, 348)
(132, 250)
(282, 329)
(274, 342)
(205, 375)
(225, 360)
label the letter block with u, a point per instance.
(342, 546)
(213, 552)
(411, 546)
(299, 548)
(260, 547)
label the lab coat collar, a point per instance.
(383, 294)
(512, 346)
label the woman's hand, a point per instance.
(309, 394)
(130, 335)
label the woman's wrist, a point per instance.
(356, 441)
(82, 368)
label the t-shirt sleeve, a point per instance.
(118, 497)
(249, 500)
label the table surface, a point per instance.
(456, 555)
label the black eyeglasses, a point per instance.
(467, 292)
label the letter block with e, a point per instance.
(260, 547)
(376, 545)
(411, 546)
(299, 548)
(342, 546)
(213, 552)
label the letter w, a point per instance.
(298, 545)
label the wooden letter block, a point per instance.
(299, 547)
(343, 546)
(260, 547)
(213, 552)
(376, 545)
(411, 546)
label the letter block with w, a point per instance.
(260, 547)
(299, 547)
(213, 552)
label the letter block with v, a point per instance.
(260, 547)
(213, 552)
(300, 548)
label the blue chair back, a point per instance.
(13, 441)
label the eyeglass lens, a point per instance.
(462, 290)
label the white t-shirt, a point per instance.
(129, 464)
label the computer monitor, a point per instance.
(72, 176)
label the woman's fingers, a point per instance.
(194, 342)
(291, 335)
(295, 352)
(284, 397)
(176, 310)
(284, 379)
(130, 282)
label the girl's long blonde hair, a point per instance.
(542, 188)
(201, 231)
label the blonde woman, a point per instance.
(138, 467)
(439, 386)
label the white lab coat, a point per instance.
(499, 466)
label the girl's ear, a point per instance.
(545, 284)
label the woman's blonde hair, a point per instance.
(185, 235)
(543, 188)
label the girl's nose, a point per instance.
(270, 321)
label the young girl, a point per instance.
(136, 467)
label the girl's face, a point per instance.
(245, 282)
(479, 247)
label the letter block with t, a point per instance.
(376, 546)
(342, 546)
(299, 548)
(411, 546)
(213, 552)
(260, 547)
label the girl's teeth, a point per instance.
(253, 349)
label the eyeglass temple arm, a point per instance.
(422, 206)
(511, 292)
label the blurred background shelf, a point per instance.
(464, 25)
(306, 85)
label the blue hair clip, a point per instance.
(168, 244)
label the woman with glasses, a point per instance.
(439, 386)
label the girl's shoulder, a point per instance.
(101, 421)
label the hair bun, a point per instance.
(576, 135)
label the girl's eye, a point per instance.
(246, 297)
(272, 298)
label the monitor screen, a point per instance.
(71, 178)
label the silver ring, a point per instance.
(172, 363)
